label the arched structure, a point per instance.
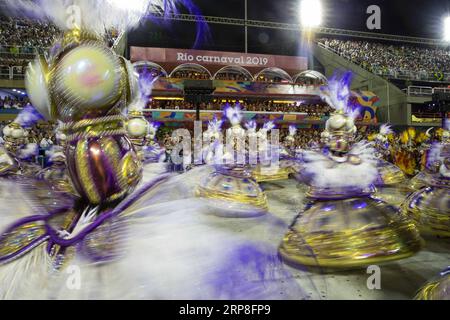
(310, 77)
(273, 75)
(154, 68)
(237, 73)
(191, 70)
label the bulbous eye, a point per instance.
(7, 131)
(90, 74)
(137, 127)
(89, 78)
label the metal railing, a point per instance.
(424, 91)
(440, 90)
(418, 91)
(12, 72)
(19, 50)
(296, 27)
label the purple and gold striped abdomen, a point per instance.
(103, 169)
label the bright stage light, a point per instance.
(130, 5)
(447, 29)
(311, 13)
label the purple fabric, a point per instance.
(52, 235)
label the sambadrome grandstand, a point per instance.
(390, 83)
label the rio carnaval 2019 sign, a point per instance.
(217, 58)
(224, 59)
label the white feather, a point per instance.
(175, 248)
(292, 131)
(327, 173)
(386, 129)
(269, 126)
(31, 149)
(27, 277)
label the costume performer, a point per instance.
(343, 226)
(231, 185)
(56, 174)
(153, 152)
(430, 206)
(212, 141)
(267, 170)
(424, 177)
(18, 155)
(391, 183)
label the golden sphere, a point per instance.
(88, 80)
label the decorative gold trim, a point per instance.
(429, 220)
(84, 172)
(351, 248)
(428, 292)
(130, 170)
(93, 128)
(20, 237)
(392, 178)
(281, 174)
(259, 201)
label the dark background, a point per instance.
(400, 17)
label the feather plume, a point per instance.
(337, 92)
(233, 114)
(292, 130)
(386, 130)
(329, 174)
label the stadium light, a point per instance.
(130, 5)
(447, 29)
(310, 13)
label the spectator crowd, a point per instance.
(393, 60)
(312, 109)
(21, 38)
(23, 35)
(13, 103)
(193, 75)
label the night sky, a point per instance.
(401, 17)
(409, 17)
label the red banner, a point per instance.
(217, 58)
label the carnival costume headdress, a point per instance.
(233, 114)
(214, 129)
(251, 125)
(231, 187)
(290, 138)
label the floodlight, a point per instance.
(447, 29)
(310, 13)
